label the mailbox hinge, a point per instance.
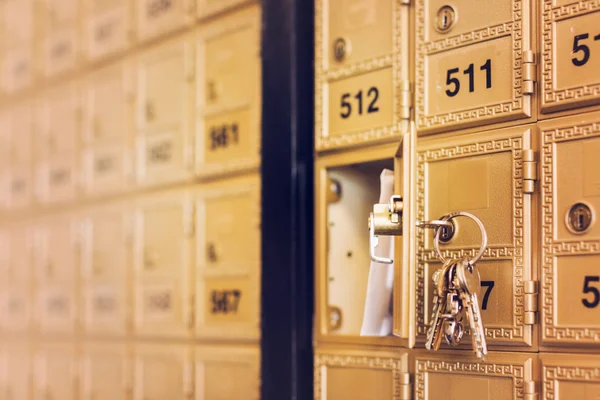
(529, 171)
(529, 71)
(405, 387)
(405, 99)
(529, 391)
(530, 302)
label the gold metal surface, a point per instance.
(568, 60)
(107, 145)
(456, 375)
(479, 70)
(163, 371)
(165, 138)
(480, 173)
(156, 18)
(228, 284)
(106, 280)
(228, 94)
(163, 273)
(107, 27)
(60, 42)
(362, 95)
(227, 372)
(105, 371)
(570, 376)
(570, 175)
(361, 375)
(342, 246)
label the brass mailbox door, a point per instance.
(362, 88)
(18, 252)
(19, 371)
(455, 375)
(56, 371)
(569, 60)
(57, 307)
(228, 259)
(18, 30)
(475, 63)
(487, 174)
(108, 27)
(60, 39)
(164, 227)
(106, 243)
(163, 265)
(165, 140)
(361, 375)
(347, 186)
(58, 121)
(18, 69)
(163, 372)
(107, 130)
(570, 236)
(19, 187)
(19, 176)
(227, 373)
(228, 93)
(570, 376)
(17, 307)
(58, 180)
(160, 17)
(106, 269)
(56, 248)
(106, 372)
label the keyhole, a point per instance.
(446, 16)
(447, 232)
(340, 49)
(579, 218)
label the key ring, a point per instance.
(436, 239)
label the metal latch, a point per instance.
(386, 219)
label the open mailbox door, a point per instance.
(397, 218)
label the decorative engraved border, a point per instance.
(552, 374)
(323, 78)
(516, 372)
(550, 96)
(551, 247)
(514, 28)
(515, 253)
(323, 361)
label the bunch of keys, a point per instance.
(456, 289)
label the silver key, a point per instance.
(454, 308)
(440, 290)
(468, 281)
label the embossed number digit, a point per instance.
(587, 288)
(372, 106)
(452, 81)
(489, 285)
(579, 47)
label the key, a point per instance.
(468, 281)
(440, 288)
(454, 308)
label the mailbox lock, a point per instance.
(341, 48)
(445, 19)
(447, 232)
(579, 218)
(211, 253)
